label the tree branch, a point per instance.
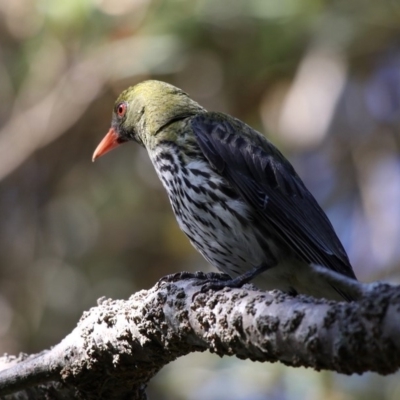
(119, 346)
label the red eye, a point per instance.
(121, 109)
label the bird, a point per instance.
(235, 196)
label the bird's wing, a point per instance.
(270, 185)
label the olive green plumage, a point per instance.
(234, 194)
(153, 109)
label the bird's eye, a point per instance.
(121, 109)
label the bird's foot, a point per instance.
(199, 275)
(234, 283)
(214, 281)
(218, 284)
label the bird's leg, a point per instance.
(239, 281)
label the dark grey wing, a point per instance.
(270, 185)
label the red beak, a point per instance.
(110, 141)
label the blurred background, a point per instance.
(320, 77)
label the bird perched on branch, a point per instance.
(235, 196)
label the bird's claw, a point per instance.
(213, 281)
(208, 281)
(213, 284)
(178, 276)
(199, 275)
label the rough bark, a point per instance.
(118, 346)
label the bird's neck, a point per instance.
(177, 136)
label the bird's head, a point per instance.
(142, 111)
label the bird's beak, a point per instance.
(109, 142)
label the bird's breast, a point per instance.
(209, 211)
